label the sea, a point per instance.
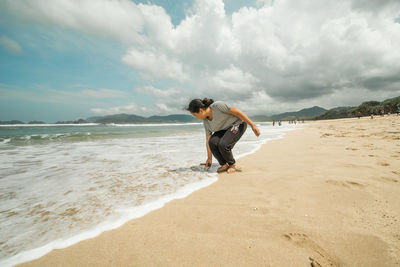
(64, 183)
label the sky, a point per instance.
(70, 59)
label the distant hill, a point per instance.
(338, 109)
(72, 122)
(367, 108)
(12, 122)
(36, 122)
(118, 118)
(130, 118)
(173, 118)
(306, 113)
(260, 118)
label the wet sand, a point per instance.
(327, 194)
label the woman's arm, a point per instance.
(237, 113)
(209, 154)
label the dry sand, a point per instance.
(327, 194)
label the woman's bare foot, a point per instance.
(223, 168)
(233, 168)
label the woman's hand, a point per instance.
(255, 130)
(207, 165)
(208, 162)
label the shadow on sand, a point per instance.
(195, 168)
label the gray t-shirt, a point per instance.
(222, 119)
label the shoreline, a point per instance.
(310, 195)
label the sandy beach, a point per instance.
(327, 194)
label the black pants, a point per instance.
(222, 142)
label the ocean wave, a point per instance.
(49, 125)
(5, 140)
(47, 138)
(153, 124)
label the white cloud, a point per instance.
(103, 93)
(282, 54)
(121, 20)
(158, 65)
(164, 108)
(159, 93)
(157, 25)
(128, 109)
(231, 83)
(133, 108)
(43, 94)
(10, 45)
(167, 101)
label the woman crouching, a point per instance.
(224, 126)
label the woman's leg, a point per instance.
(228, 141)
(213, 143)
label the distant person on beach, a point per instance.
(224, 126)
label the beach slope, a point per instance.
(327, 194)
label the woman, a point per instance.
(224, 126)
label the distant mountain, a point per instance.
(367, 108)
(173, 118)
(120, 118)
(36, 122)
(306, 113)
(339, 109)
(72, 122)
(130, 118)
(93, 119)
(260, 118)
(334, 114)
(12, 122)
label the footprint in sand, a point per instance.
(389, 179)
(354, 184)
(345, 183)
(392, 137)
(326, 135)
(382, 163)
(319, 257)
(351, 165)
(340, 183)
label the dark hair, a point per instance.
(196, 104)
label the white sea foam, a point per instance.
(154, 124)
(128, 214)
(75, 191)
(49, 125)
